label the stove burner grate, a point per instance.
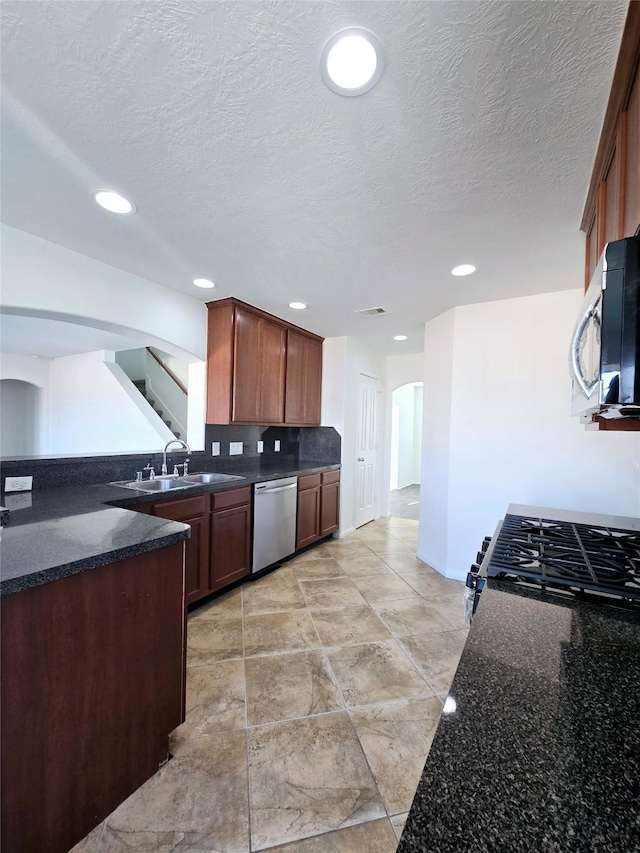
(569, 556)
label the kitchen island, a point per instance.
(538, 747)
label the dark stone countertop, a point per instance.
(540, 749)
(70, 529)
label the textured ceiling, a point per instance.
(476, 146)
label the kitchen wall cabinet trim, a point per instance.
(260, 369)
(625, 75)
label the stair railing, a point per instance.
(168, 371)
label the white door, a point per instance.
(366, 448)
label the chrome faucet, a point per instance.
(164, 452)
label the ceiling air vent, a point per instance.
(370, 312)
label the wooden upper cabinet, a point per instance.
(260, 369)
(304, 380)
(612, 209)
(632, 168)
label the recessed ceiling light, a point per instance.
(203, 282)
(464, 269)
(299, 306)
(114, 202)
(352, 61)
(399, 337)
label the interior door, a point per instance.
(366, 448)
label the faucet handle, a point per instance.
(176, 473)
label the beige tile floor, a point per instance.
(313, 696)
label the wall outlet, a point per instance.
(260, 447)
(235, 448)
(276, 445)
(215, 448)
(18, 501)
(18, 484)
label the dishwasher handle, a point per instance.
(261, 490)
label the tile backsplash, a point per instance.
(297, 444)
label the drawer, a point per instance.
(231, 497)
(181, 509)
(308, 481)
(330, 477)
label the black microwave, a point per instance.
(604, 356)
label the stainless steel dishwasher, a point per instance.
(274, 521)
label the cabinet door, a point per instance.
(304, 379)
(191, 511)
(246, 368)
(197, 559)
(330, 508)
(229, 549)
(272, 352)
(308, 521)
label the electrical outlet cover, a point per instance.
(215, 448)
(260, 448)
(276, 445)
(18, 484)
(235, 448)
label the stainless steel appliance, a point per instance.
(605, 348)
(274, 521)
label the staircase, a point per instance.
(141, 385)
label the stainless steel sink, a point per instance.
(161, 484)
(211, 478)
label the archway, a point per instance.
(20, 418)
(406, 445)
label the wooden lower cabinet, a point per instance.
(329, 508)
(219, 550)
(93, 682)
(308, 520)
(230, 549)
(318, 507)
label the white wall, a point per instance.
(36, 372)
(343, 360)
(43, 279)
(497, 428)
(90, 411)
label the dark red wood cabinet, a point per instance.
(93, 682)
(230, 548)
(260, 369)
(219, 550)
(318, 507)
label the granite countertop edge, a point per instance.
(32, 530)
(9, 586)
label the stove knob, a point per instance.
(479, 558)
(485, 544)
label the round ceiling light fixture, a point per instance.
(352, 61)
(203, 282)
(114, 202)
(299, 306)
(399, 337)
(464, 269)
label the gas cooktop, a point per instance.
(568, 555)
